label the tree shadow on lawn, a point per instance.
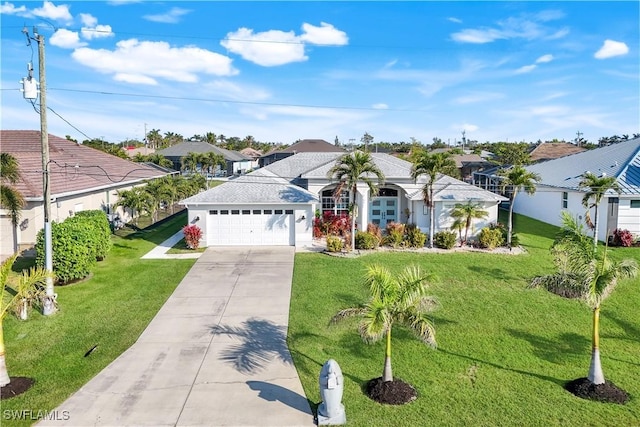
(631, 331)
(497, 274)
(558, 350)
(553, 380)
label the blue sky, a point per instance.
(283, 71)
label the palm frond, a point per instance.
(346, 313)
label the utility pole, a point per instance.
(579, 138)
(49, 299)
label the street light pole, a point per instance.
(49, 300)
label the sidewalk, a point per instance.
(159, 252)
(214, 355)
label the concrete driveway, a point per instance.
(214, 355)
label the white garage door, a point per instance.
(6, 237)
(235, 227)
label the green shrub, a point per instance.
(445, 239)
(491, 238)
(375, 230)
(505, 234)
(72, 257)
(334, 244)
(395, 234)
(414, 237)
(101, 231)
(366, 240)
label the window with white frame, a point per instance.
(339, 206)
(565, 199)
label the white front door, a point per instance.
(384, 210)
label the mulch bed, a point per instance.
(18, 385)
(607, 392)
(395, 392)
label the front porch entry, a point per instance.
(384, 207)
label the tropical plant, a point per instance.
(596, 187)
(458, 225)
(414, 237)
(348, 171)
(445, 239)
(467, 212)
(490, 238)
(394, 236)
(432, 165)
(394, 298)
(10, 198)
(28, 282)
(190, 162)
(590, 274)
(334, 244)
(192, 235)
(622, 238)
(366, 240)
(514, 180)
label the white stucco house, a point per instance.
(275, 205)
(558, 189)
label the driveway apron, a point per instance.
(214, 355)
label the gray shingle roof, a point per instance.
(298, 164)
(309, 146)
(621, 160)
(447, 188)
(251, 190)
(184, 148)
(391, 167)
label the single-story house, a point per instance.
(81, 178)
(236, 163)
(558, 189)
(302, 146)
(276, 204)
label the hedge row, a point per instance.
(77, 243)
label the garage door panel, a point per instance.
(248, 227)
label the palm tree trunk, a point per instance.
(596, 375)
(510, 220)
(432, 219)
(353, 217)
(387, 373)
(595, 226)
(4, 375)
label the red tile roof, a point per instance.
(553, 150)
(73, 167)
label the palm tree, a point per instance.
(517, 179)
(348, 171)
(458, 225)
(467, 212)
(596, 188)
(190, 162)
(135, 200)
(589, 273)
(160, 160)
(432, 165)
(30, 280)
(394, 299)
(10, 198)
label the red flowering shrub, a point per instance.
(331, 224)
(192, 235)
(622, 238)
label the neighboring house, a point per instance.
(133, 151)
(252, 153)
(237, 163)
(469, 163)
(81, 178)
(276, 204)
(303, 146)
(559, 190)
(553, 150)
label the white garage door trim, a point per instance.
(235, 226)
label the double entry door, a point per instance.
(383, 210)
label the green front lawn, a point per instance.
(504, 351)
(110, 310)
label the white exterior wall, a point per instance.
(546, 204)
(628, 217)
(443, 219)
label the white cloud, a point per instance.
(234, 91)
(171, 17)
(97, 32)
(325, 34)
(66, 39)
(145, 61)
(526, 69)
(611, 48)
(476, 97)
(380, 106)
(274, 47)
(454, 20)
(53, 12)
(88, 20)
(467, 127)
(269, 48)
(544, 58)
(525, 27)
(9, 9)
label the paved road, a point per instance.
(214, 355)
